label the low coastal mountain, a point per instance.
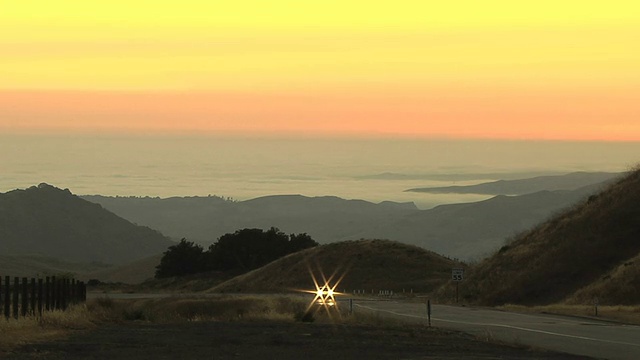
(53, 222)
(475, 230)
(204, 219)
(571, 181)
(589, 251)
(465, 231)
(366, 265)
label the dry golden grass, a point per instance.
(58, 324)
(625, 314)
(131, 273)
(177, 309)
(618, 286)
(366, 265)
(188, 283)
(571, 251)
(52, 325)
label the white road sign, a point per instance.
(457, 274)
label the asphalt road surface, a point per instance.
(599, 339)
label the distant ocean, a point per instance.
(244, 168)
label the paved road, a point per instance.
(578, 336)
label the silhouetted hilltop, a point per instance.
(589, 250)
(46, 220)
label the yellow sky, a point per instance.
(491, 69)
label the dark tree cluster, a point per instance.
(242, 251)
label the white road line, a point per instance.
(504, 326)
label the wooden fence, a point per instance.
(34, 296)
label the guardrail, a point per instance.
(35, 296)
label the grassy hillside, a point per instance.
(34, 265)
(584, 248)
(131, 273)
(366, 264)
(620, 286)
(46, 220)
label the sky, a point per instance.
(515, 70)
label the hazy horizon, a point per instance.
(244, 167)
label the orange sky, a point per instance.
(535, 70)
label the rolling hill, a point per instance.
(204, 219)
(134, 272)
(475, 230)
(365, 264)
(465, 231)
(53, 222)
(590, 250)
(31, 265)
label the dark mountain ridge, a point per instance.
(53, 222)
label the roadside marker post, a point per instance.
(429, 311)
(457, 275)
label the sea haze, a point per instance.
(244, 168)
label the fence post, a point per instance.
(69, 293)
(80, 291)
(40, 297)
(58, 294)
(47, 294)
(33, 296)
(7, 297)
(74, 290)
(16, 294)
(25, 297)
(54, 293)
(65, 293)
